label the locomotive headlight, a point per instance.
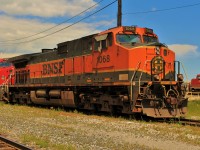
(157, 50)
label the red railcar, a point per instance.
(6, 70)
(6, 77)
(195, 84)
(124, 69)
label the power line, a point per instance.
(55, 25)
(66, 26)
(167, 9)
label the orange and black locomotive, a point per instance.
(124, 69)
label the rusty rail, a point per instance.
(182, 121)
(7, 144)
(190, 122)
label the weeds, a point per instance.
(44, 142)
(60, 130)
(193, 109)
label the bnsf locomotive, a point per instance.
(120, 70)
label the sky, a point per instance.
(27, 26)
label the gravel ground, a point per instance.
(51, 129)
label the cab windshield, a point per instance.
(4, 64)
(128, 38)
(150, 39)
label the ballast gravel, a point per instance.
(75, 130)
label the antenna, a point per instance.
(119, 14)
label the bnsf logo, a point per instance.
(52, 68)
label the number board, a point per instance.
(129, 29)
(150, 31)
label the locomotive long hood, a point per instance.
(21, 58)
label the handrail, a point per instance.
(192, 94)
(142, 73)
(184, 71)
(138, 66)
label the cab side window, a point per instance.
(110, 39)
(102, 42)
(96, 45)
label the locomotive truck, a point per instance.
(121, 70)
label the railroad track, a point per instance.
(182, 121)
(7, 144)
(190, 122)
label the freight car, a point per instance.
(6, 70)
(195, 84)
(121, 70)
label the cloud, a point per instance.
(8, 55)
(18, 20)
(184, 49)
(153, 9)
(13, 28)
(44, 8)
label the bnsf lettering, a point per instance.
(53, 68)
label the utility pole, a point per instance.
(119, 14)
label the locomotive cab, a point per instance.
(134, 57)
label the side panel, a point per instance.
(87, 64)
(104, 60)
(69, 66)
(78, 65)
(195, 83)
(122, 59)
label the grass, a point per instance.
(193, 109)
(44, 142)
(56, 129)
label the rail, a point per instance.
(8, 144)
(192, 96)
(181, 121)
(190, 122)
